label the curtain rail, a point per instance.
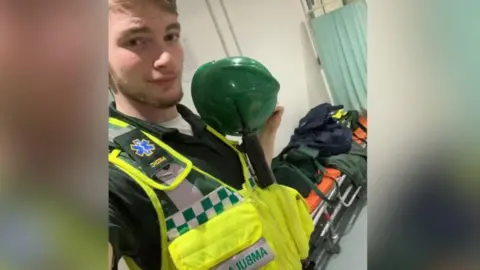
(322, 6)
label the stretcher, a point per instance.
(328, 217)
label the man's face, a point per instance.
(145, 55)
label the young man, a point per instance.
(146, 58)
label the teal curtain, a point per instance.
(340, 38)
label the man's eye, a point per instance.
(172, 37)
(136, 42)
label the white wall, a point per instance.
(270, 31)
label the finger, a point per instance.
(279, 110)
(279, 107)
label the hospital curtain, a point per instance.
(340, 38)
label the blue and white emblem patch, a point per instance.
(142, 148)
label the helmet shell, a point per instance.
(234, 95)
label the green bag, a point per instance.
(299, 169)
(353, 164)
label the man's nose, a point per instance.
(163, 61)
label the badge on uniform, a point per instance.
(142, 147)
(151, 157)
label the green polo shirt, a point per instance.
(133, 222)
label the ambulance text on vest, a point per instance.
(250, 259)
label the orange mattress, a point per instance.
(359, 134)
(363, 120)
(325, 186)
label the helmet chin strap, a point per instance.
(253, 149)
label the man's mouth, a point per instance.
(164, 81)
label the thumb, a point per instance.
(279, 109)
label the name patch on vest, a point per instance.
(158, 162)
(254, 257)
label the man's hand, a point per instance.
(273, 123)
(269, 132)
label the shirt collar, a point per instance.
(194, 120)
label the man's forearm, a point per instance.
(267, 140)
(269, 133)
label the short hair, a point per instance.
(127, 5)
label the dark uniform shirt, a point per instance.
(133, 223)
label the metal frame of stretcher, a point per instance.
(331, 221)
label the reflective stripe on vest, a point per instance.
(113, 133)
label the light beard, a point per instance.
(141, 95)
(159, 103)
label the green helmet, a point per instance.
(234, 95)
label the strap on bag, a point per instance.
(313, 153)
(313, 186)
(364, 128)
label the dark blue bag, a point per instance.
(320, 131)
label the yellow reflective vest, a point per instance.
(216, 226)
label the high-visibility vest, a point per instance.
(205, 223)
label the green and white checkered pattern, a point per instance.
(202, 211)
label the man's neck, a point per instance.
(145, 112)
